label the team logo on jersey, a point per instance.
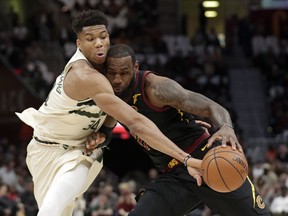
(173, 163)
(204, 148)
(135, 98)
(260, 202)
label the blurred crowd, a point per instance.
(197, 63)
(270, 55)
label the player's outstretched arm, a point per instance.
(163, 91)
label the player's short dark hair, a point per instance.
(88, 18)
(121, 50)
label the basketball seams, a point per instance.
(207, 157)
(220, 173)
(207, 177)
(231, 165)
(221, 180)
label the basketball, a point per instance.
(224, 170)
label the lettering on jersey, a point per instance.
(49, 95)
(94, 125)
(59, 84)
(135, 98)
(141, 142)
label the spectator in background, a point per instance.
(279, 205)
(104, 201)
(101, 207)
(282, 153)
(8, 175)
(8, 206)
(126, 200)
(28, 199)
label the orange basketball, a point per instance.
(224, 170)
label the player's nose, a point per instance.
(117, 79)
(98, 43)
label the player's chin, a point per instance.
(100, 59)
(117, 94)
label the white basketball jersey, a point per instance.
(61, 119)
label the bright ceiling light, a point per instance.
(210, 14)
(210, 4)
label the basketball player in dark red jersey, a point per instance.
(171, 108)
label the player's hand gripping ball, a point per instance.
(224, 169)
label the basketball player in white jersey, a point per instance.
(79, 104)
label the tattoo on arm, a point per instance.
(167, 91)
(171, 93)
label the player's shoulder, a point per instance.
(82, 70)
(83, 81)
(153, 77)
(149, 75)
(81, 66)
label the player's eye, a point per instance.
(89, 39)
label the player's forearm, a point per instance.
(202, 106)
(220, 116)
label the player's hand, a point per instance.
(194, 169)
(227, 135)
(204, 124)
(93, 140)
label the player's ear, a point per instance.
(78, 43)
(136, 66)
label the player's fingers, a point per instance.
(204, 124)
(212, 139)
(239, 147)
(198, 178)
(91, 144)
(101, 139)
(224, 141)
(94, 135)
(196, 174)
(233, 144)
(92, 141)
